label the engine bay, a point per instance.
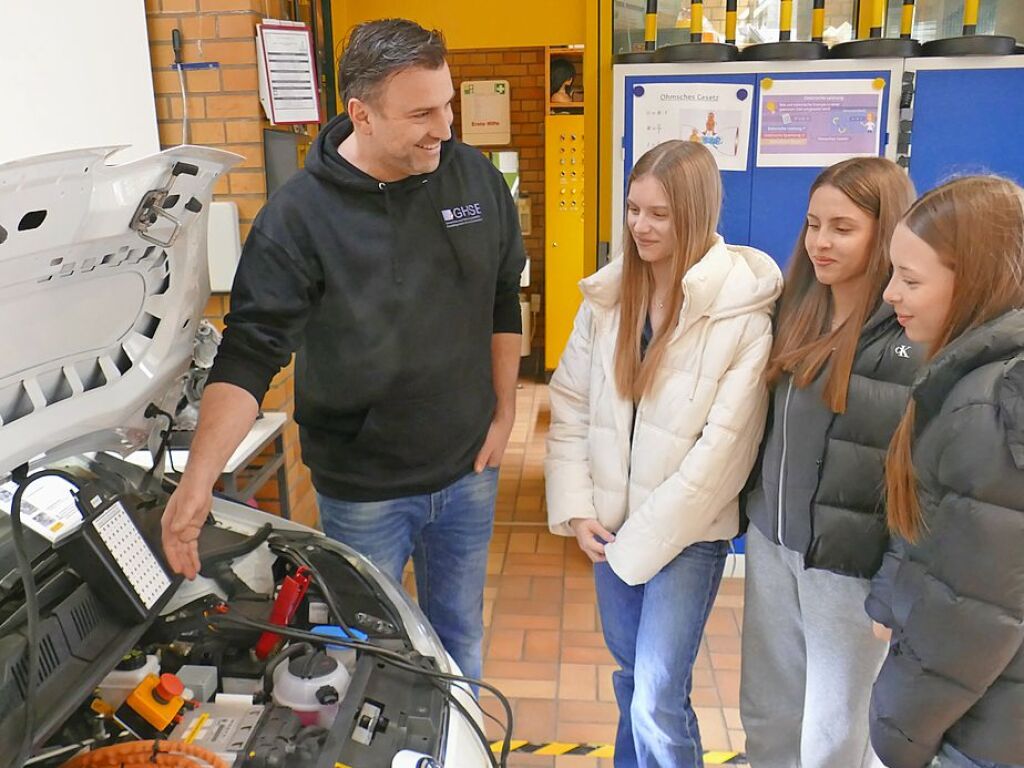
(290, 650)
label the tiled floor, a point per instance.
(543, 646)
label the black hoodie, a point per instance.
(388, 294)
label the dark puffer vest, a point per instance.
(843, 528)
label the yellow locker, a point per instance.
(563, 249)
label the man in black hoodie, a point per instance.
(390, 267)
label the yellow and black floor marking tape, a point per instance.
(560, 748)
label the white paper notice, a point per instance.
(47, 507)
(288, 81)
(712, 114)
(817, 123)
(486, 113)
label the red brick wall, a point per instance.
(224, 112)
(524, 69)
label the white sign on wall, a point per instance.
(486, 113)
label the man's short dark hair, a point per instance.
(377, 50)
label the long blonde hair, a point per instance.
(803, 342)
(976, 226)
(691, 180)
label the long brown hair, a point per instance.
(976, 226)
(803, 342)
(690, 178)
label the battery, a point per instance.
(224, 729)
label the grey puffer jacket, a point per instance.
(827, 504)
(955, 598)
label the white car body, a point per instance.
(98, 323)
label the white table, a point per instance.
(240, 482)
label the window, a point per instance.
(757, 22)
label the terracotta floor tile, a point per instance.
(495, 563)
(542, 645)
(506, 645)
(579, 582)
(577, 681)
(525, 689)
(588, 712)
(530, 761)
(703, 678)
(713, 733)
(737, 740)
(724, 643)
(514, 587)
(705, 697)
(527, 569)
(577, 655)
(587, 733)
(579, 596)
(732, 718)
(537, 720)
(583, 639)
(520, 670)
(550, 544)
(605, 689)
(547, 588)
(728, 687)
(513, 621)
(579, 617)
(721, 622)
(529, 607)
(522, 542)
(725, 660)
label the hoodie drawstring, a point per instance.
(396, 271)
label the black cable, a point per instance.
(31, 604)
(481, 736)
(396, 659)
(165, 437)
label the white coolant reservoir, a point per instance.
(126, 676)
(312, 684)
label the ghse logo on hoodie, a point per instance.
(460, 215)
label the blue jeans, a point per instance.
(951, 757)
(447, 534)
(653, 630)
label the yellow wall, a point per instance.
(472, 24)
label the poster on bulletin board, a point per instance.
(816, 123)
(713, 114)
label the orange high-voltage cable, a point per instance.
(146, 754)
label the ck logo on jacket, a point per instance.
(902, 350)
(460, 215)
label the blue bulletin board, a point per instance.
(966, 121)
(762, 206)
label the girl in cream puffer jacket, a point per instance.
(648, 480)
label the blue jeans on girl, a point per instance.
(653, 630)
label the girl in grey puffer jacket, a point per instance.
(952, 587)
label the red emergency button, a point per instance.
(168, 688)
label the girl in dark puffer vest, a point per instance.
(952, 586)
(841, 370)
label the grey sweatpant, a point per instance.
(809, 661)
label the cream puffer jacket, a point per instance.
(696, 436)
